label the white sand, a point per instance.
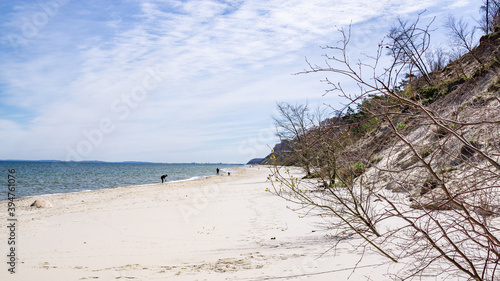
(220, 228)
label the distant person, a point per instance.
(163, 178)
(228, 173)
(217, 171)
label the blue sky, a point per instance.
(171, 81)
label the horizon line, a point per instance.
(137, 162)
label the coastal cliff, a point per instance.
(411, 164)
(446, 124)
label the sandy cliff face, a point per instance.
(463, 153)
(456, 135)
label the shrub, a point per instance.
(400, 125)
(429, 93)
(358, 168)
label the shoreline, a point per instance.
(194, 178)
(216, 228)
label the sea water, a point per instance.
(39, 177)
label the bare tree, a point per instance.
(440, 161)
(408, 43)
(292, 124)
(436, 59)
(351, 205)
(491, 15)
(462, 35)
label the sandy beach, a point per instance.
(218, 228)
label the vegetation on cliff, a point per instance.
(412, 163)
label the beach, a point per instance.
(216, 228)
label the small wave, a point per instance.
(191, 179)
(225, 171)
(41, 179)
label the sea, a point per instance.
(32, 178)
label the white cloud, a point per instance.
(458, 4)
(222, 63)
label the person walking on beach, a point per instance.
(217, 171)
(163, 177)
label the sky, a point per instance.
(173, 81)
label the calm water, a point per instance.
(36, 178)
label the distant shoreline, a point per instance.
(119, 162)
